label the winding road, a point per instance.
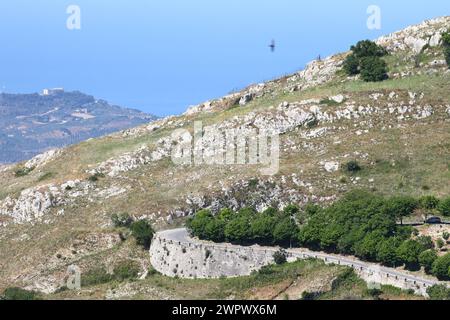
(369, 270)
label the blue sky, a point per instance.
(161, 56)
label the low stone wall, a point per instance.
(189, 258)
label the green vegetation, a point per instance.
(444, 207)
(426, 260)
(353, 166)
(360, 224)
(439, 292)
(22, 172)
(441, 267)
(122, 220)
(373, 69)
(124, 270)
(19, 294)
(143, 232)
(446, 44)
(95, 277)
(366, 60)
(46, 176)
(95, 177)
(280, 257)
(247, 226)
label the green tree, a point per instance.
(196, 224)
(238, 229)
(373, 69)
(400, 207)
(285, 232)
(366, 59)
(280, 257)
(409, 252)
(444, 207)
(351, 65)
(426, 242)
(427, 258)
(291, 210)
(429, 202)
(439, 292)
(446, 44)
(367, 248)
(215, 230)
(143, 232)
(262, 227)
(441, 267)
(367, 48)
(387, 251)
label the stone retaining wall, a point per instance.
(197, 259)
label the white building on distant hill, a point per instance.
(48, 92)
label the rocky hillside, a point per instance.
(33, 123)
(55, 210)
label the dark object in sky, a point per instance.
(272, 46)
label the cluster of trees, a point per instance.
(366, 59)
(246, 226)
(365, 225)
(446, 44)
(361, 224)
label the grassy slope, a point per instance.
(421, 152)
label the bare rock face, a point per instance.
(416, 37)
(32, 204)
(246, 99)
(43, 158)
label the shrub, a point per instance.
(440, 243)
(367, 48)
(126, 270)
(46, 176)
(446, 44)
(95, 177)
(353, 166)
(444, 207)
(426, 242)
(121, 220)
(366, 59)
(280, 257)
(426, 260)
(429, 202)
(373, 69)
(143, 232)
(446, 235)
(21, 172)
(439, 292)
(19, 294)
(441, 267)
(95, 276)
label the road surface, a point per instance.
(181, 236)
